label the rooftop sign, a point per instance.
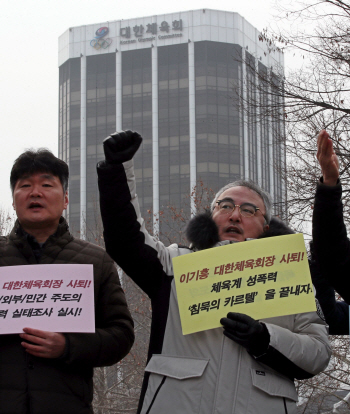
(141, 33)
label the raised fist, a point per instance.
(327, 159)
(121, 146)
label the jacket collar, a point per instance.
(60, 238)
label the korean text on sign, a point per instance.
(56, 298)
(262, 278)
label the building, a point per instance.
(187, 82)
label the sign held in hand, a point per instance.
(55, 298)
(261, 278)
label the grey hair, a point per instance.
(266, 198)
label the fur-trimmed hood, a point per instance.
(202, 231)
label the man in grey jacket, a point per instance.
(248, 367)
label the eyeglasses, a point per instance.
(245, 210)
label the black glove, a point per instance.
(246, 331)
(121, 146)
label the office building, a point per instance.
(187, 82)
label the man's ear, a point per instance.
(266, 227)
(66, 201)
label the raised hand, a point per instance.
(121, 146)
(327, 159)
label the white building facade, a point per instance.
(186, 82)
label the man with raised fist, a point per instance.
(248, 366)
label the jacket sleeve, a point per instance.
(331, 244)
(143, 258)
(336, 312)
(114, 334)
(301, 351)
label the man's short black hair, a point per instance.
(39, 161)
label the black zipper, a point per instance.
(155, 395)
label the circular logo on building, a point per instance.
(99, 42)
(102, 31)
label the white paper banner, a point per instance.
(55, 298)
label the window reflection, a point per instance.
(69, 133)
(219, 147)
(137, 116)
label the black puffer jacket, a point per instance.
(32, 385)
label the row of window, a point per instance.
(219, 127)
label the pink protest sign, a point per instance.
(56, 298)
